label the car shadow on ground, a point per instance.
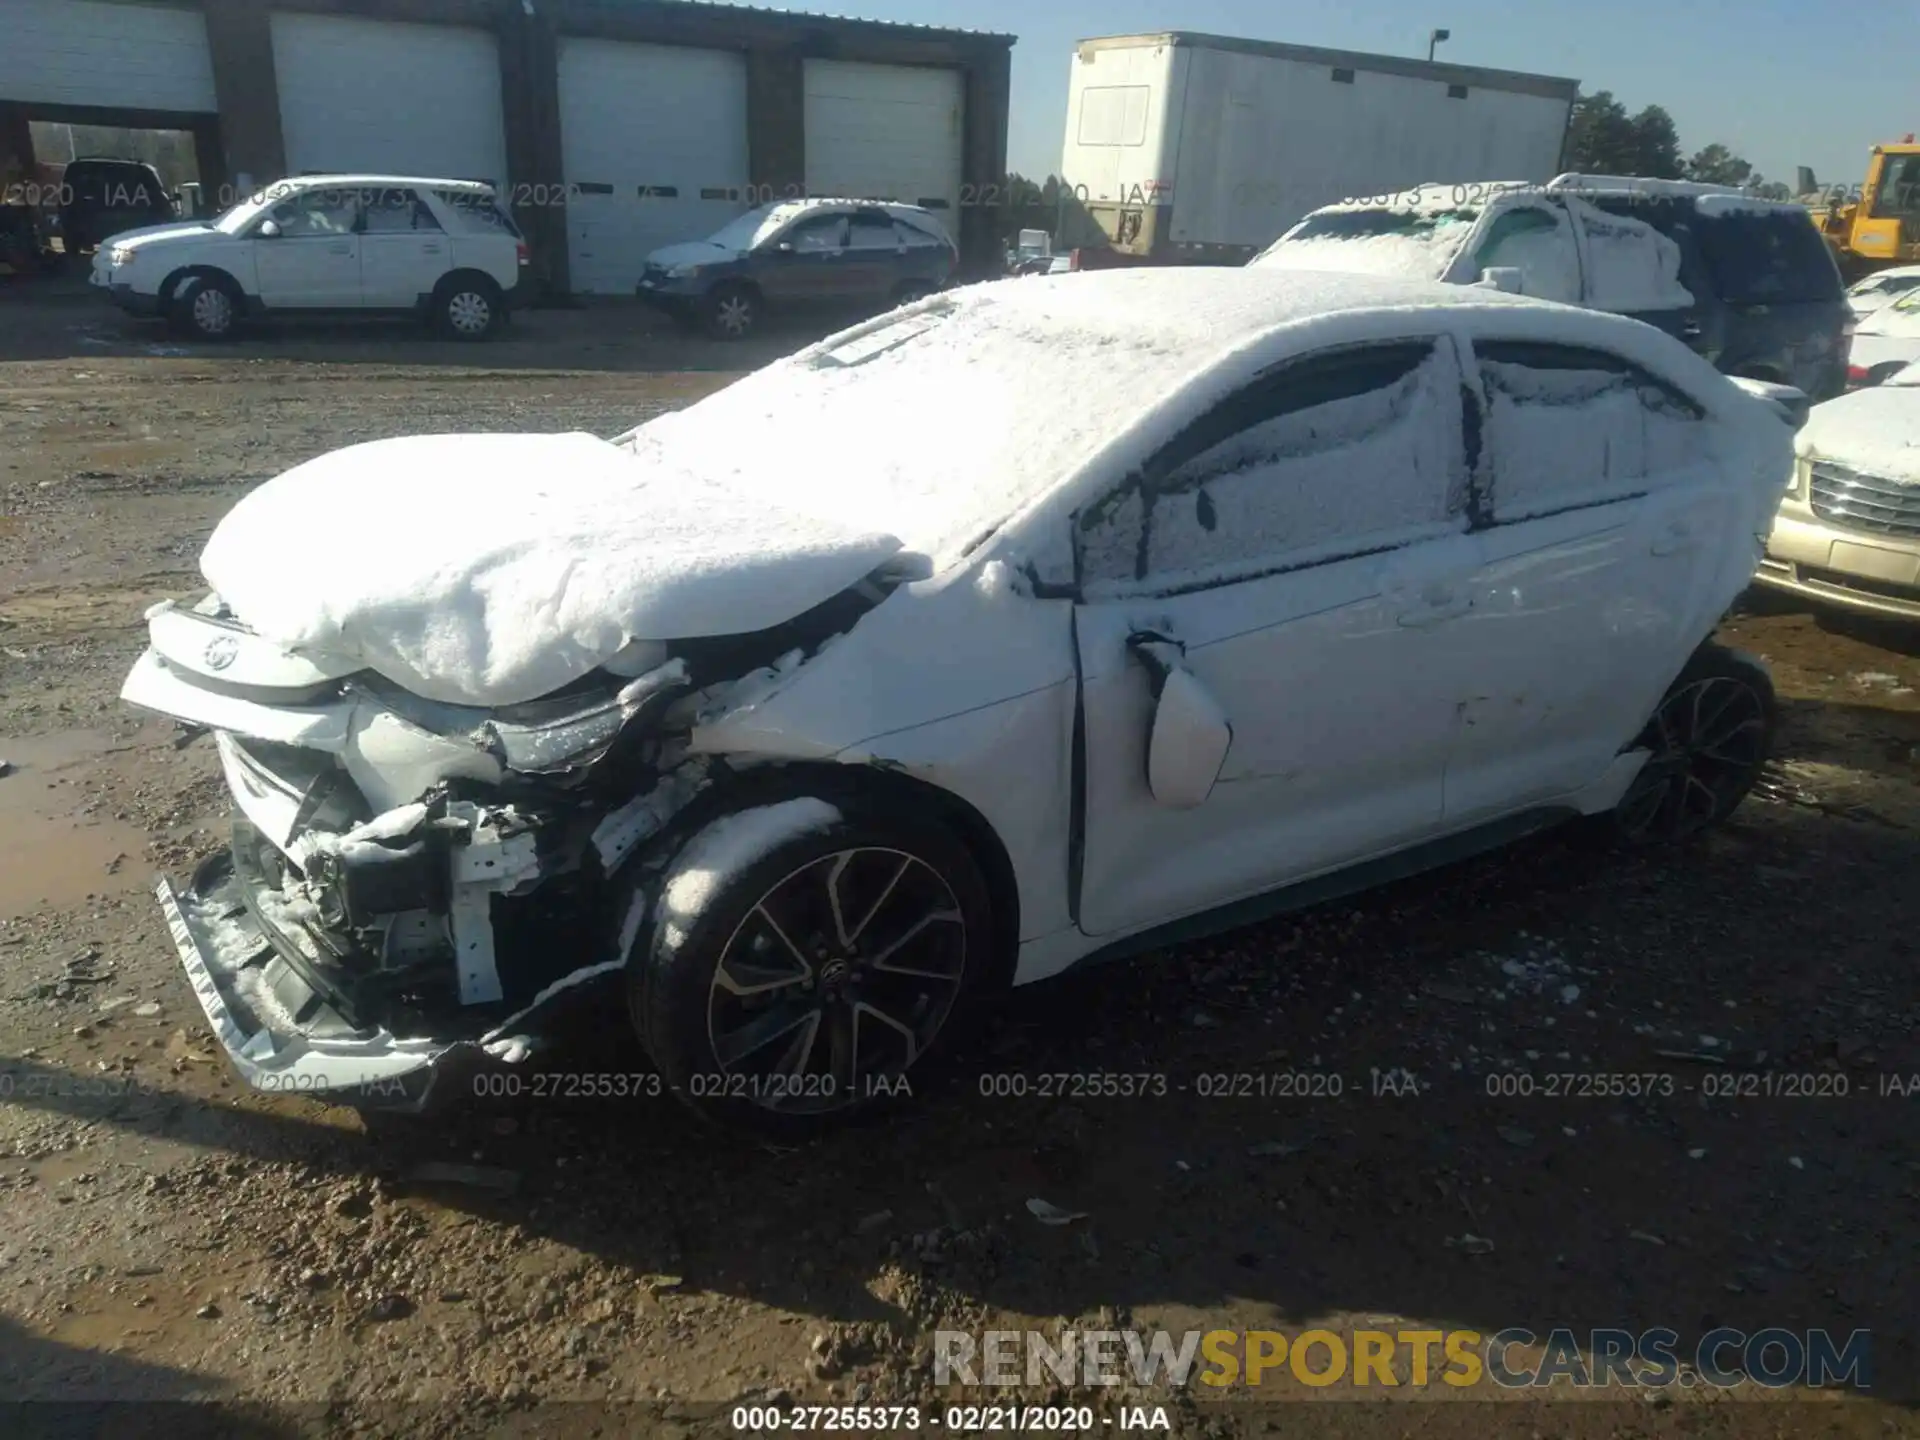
(61, 319)
(1202, 1204)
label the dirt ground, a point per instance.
(613, 1266)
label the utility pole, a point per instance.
(1435, 38)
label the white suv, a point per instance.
(446, 250)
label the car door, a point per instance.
(875, 260)
(1595, 486)
(1298, 542)
(403, 250)
(802, 263)
(312, 261)
(1536, 238)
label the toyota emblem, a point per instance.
(221, 651)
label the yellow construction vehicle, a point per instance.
(1876, 223)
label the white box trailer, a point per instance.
(1203, 149)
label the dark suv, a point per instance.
(101, 197)
(800, 254)
(1769, 302)
(1748, 283)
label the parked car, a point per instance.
(1881, 288)
(100, 197)
(800, 254)
(809, 717)
(1886, 342)
(445, 250)
(1848, 532)
(1747, 283)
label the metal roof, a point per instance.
(911, 25)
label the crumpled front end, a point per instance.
(412, 888)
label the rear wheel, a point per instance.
(827, 974)
(468, 307)
(1706, 744)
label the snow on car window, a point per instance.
(1631, 267)
(743, 232)
(964, 413)
(1415, 243)
(1537, 240)
(1353, 471)
(1568, 428)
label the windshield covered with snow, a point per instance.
(746, 231)
(936, 425)
(1383, 241)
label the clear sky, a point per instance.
(1784, 84)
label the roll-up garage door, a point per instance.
(388, 98)
(654, 142)
(885, 132)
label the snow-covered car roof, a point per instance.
(751, 227)
(939, 422)
(1892, 272)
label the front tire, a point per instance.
(825, 975)
(206, 308)
(1707, 742)
(730, 312)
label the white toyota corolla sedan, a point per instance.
(1028, 623)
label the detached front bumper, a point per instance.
(285, 1034)
(280, 1033)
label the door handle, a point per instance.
(1691, 331)
(340, 248)
(429, 249)
(1439, 608)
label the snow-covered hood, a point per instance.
(1876, 432)
(691, 252)
(1422, 256)
(492, 569)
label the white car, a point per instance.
(1881, 288)
(1021, 625)
(1886, 342)
(446, 250)
(1848, 532)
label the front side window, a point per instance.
(1537, 241)
(818, 235)
(1343, 454)
(1567, 427)
(317, 212)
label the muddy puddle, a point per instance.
(53, 853)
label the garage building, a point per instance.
(614, 126)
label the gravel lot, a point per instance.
(171, 1236)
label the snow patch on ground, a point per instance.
(727, 847)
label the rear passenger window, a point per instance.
(1332, 457)
(1567, 427)
(1631, 267)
